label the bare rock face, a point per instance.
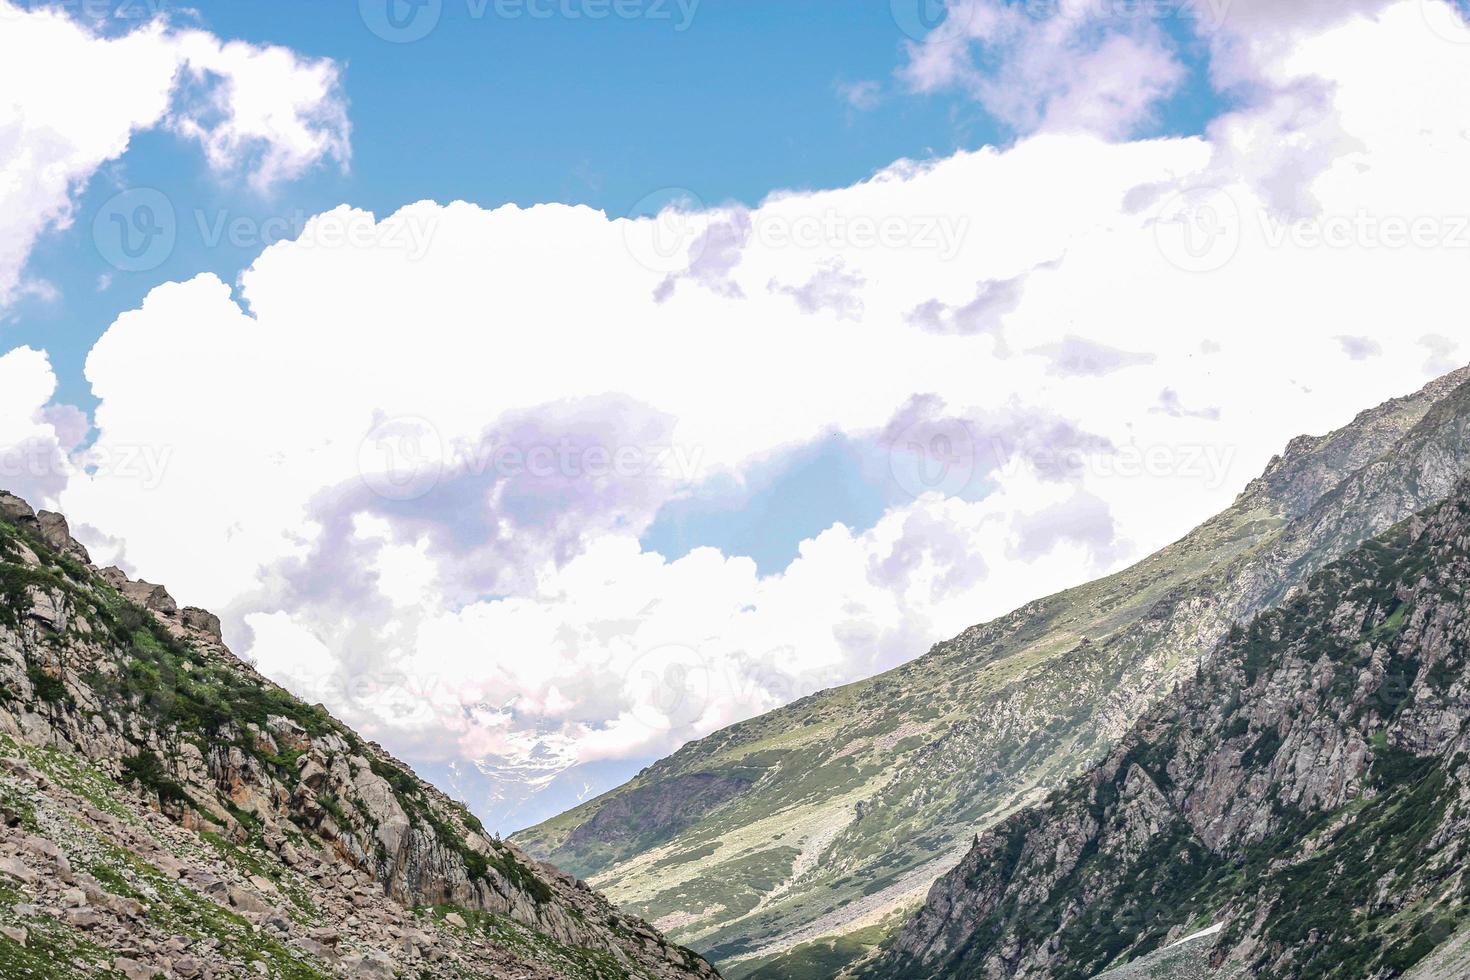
(168, 811)
(57, 535)
(1307, 791)
(15, 510)
(154, 598)
(202, 620)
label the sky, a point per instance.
(541, 384)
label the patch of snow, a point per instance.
(1198, 935)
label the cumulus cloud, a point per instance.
(264, 109)
(32, 455)
(366, 545)
(1067, 66)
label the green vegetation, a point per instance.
(52, 951)
(248, 860)
(571, 962)
(1367, 888)
(822, 958)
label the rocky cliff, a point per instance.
(859, 798)
(166, 810)
(1306, 795)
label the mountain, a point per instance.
(164, 809)
(510, 792)
(1306, 796)
(789, 844)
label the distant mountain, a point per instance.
(514, 793)
(165, 810)
(788, 845)
(1301, 807)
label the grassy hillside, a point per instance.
(839, 809)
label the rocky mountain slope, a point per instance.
(165, 810)
(798, 834)
(1308, 792)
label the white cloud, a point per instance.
(503, 598)
(262, 108)
(1097, 67)
(32, 461)
(74, 100)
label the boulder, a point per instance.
(132, 969)
(57, 535)
(202, 620)
(15, 510)
(154, 598)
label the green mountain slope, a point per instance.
(1308, 791)
(827, 816)
(166, 810)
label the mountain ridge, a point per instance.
(167, 808)
(1305, 793)
(993, 719)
